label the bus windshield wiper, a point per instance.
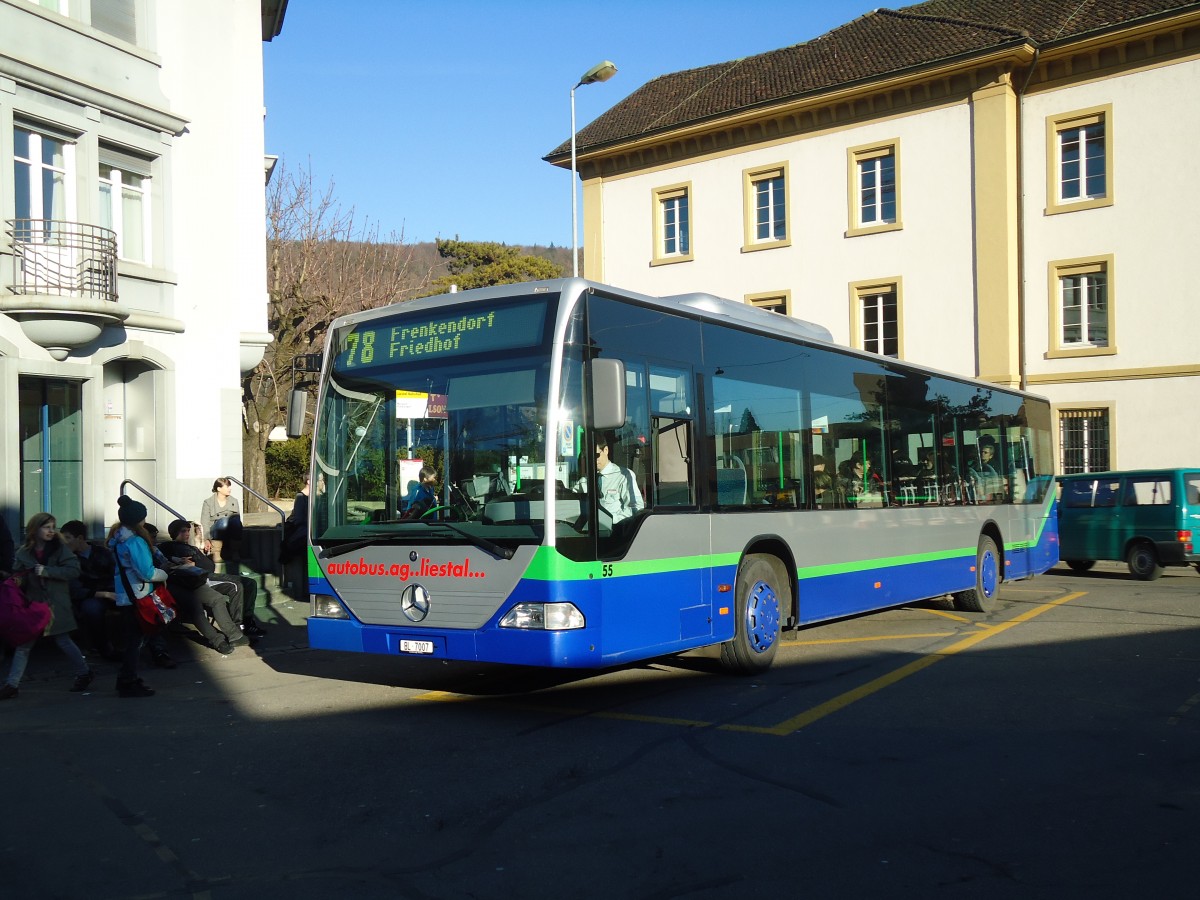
(481, 542)
(349, 547)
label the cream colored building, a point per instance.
(132, 264)
(997, 190)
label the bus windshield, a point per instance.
(430, 430)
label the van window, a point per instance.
(1077, 493)
(1107, 493)
(1148, 491)
(1193, 490)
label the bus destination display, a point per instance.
(427, 338)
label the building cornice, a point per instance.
(47, 82)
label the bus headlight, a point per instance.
(543, 617)
(324, 606)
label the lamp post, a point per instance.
(602, 71)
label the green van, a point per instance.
(1145, 517)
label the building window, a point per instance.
(765, 208)
(125, 202)
(776, 302)
(672, 224)
(1083, 440)
(43, 177)
(874, 188)
(875, 317)
(1079, 151)
(1081, 308)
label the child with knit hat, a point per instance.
(132, 546)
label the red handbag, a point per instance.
(21, 620)
(156, 609)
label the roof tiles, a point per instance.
(875, 45)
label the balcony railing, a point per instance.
(68, 259)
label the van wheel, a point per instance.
(764, 596)
(982, 597)
(1080, 565)
(1143, 561)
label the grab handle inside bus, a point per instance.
(608, 393)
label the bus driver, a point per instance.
(616, 486)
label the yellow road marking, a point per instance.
(944, 612)
(822, 710)
(1184, 710)
(861, 640)
(794, 724)
(442, 697)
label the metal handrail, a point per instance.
(277, 570)
(282, 515)
(278, 509)
(130, 481)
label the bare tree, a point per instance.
(321, 263)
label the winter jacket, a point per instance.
(53, 586)
(134, 558)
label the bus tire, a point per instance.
(988, 576)
(763, 597)
(1143, 561)
(1080, 565)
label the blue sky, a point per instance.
(431, 119)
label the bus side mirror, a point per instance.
(296, 412)
(608, 393)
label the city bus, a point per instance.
(619, 477)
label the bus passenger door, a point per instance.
(673, 481)
(674, 485)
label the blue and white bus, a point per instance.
(756, 477)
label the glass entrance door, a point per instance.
(51, 423)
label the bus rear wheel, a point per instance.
(763, 598)
(1143, 561)
(1080, 565)
(982, 597)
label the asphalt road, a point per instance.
(1050, 748)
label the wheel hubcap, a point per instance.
(989, 574)
(762, 617)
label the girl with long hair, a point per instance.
(46, 566)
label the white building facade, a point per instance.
(1001, 198)
(132, 264)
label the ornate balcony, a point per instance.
(64, 282)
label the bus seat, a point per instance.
(731, 487)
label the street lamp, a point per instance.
(602, 71)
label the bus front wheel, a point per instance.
(987, 579)
(1143, 561)
(763, 598)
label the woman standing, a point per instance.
(46, 566)
(215, 515)
(131, 545)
